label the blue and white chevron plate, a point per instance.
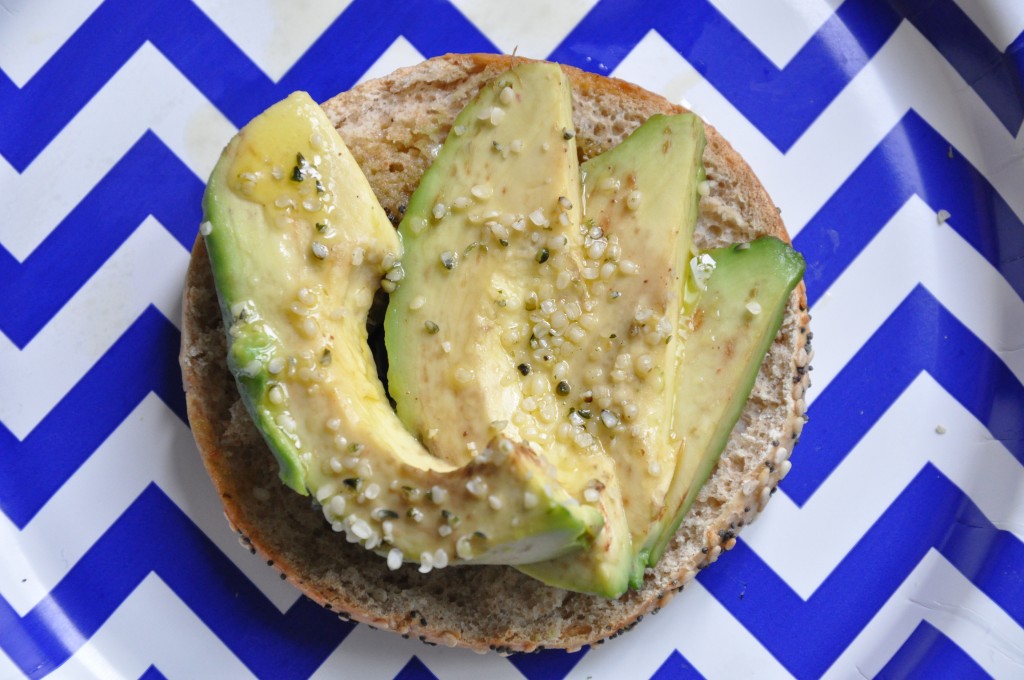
(888, 130)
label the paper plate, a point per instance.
(889, 134)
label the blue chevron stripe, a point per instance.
(912, 160)
(808, 636)
(1016, 53)
(153, 536)
(782, 103)
(921, 335)
(143, 360)
(415, 670)
(996, 77)
(550, 664)
(31, 116)
(152, 673)
(161, 186)
(927, 654)
(676, 668)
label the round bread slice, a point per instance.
(394, 126)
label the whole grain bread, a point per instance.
(394, 126)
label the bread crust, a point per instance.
(393, 126)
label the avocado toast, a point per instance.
(416, 108)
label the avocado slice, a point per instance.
(480, 233)
(495, 307)
(299, 245)
(735, 320)
(638, 231)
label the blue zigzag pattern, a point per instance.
(161, 186)
(808, 636)
(912, 160)
(920, 335)
(782, 103)
(192, 42)
(143, 360)
(928, 653)
(549, 664)
(415, 670)
(676, 668)
(152, 673)
(290, 645)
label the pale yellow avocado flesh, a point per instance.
(640, 203)
(299, 245)
(739, 306)
(649, 214)
(494, 309)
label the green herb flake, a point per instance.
(299, 171)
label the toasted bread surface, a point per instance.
(394, 126)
